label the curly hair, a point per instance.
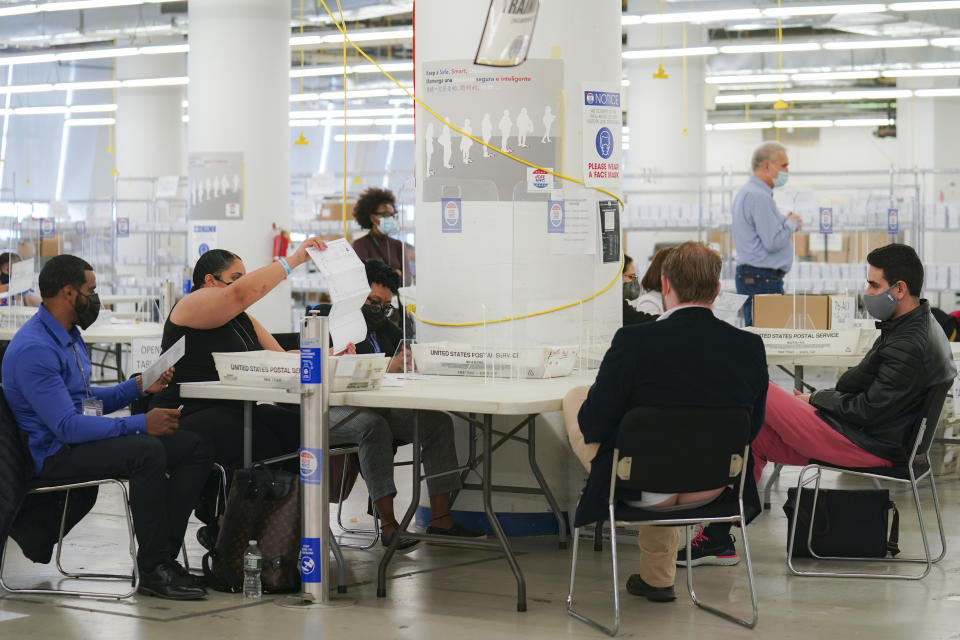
(378, 272)
(368, 203)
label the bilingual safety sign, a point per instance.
(602, 143)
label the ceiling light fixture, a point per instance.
(864, 122)
(945, 42)
(924, 6)
(90, 122)
(835, 75)
(875, 44)
(747, 79)
(644, 54)
(770, 47)
(802, 124)
(741, 126)
(823, 10)
(937, 93)
(921, 73)
(700, 16)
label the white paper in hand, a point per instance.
(166, 360)
(348, 287)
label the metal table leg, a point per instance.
(532, 457)
(407, 517)
(492, 516)
(247, 434)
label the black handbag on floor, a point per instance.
(848, 523)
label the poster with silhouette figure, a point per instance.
(216, 186)
(514, 111)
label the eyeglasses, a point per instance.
(385, 310)
(630, 277)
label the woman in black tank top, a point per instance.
(213, 318)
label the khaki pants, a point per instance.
(658, 545)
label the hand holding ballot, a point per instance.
(161, 382)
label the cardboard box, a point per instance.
(330, 210)
(866, 241)
(944, 459)
(838, 248)
(776, 311)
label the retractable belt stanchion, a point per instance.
(315, 576)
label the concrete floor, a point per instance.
(449, 592)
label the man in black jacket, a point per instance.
(867, 420)
(688, 358)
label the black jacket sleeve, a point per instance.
(609, 396)
(898, 382)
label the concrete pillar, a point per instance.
(239, 90)
(149, 142)
(927, 138)
(503, 261)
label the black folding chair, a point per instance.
(677, 451)
(9, 426)
(909, 473)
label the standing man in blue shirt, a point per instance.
(761, 234)
(46, 381)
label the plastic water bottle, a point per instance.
(252, 564)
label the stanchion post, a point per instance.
(314, 411)
(315, 384)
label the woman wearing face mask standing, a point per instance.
(376, 210)
(213, 318)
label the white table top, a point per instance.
(820, 360)
(113, 332)
(440, 393)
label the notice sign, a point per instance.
(893, 221)
(602, 148)
(203, 237)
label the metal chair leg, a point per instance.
(613, 630)
(768, 487)
(341, 565)
(133, 577)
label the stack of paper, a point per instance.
(348, 287)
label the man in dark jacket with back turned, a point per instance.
(687, 358)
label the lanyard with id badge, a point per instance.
(92, 406)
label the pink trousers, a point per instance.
(793, 434)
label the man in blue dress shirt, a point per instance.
(46, 381)
(761, 234)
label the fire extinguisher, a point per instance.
(280, 242)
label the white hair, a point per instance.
(767, 152)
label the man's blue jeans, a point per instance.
(750, 281)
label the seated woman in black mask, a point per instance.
(374, 430)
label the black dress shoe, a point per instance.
(163, 582)
(187, 578)
(404, 545)
(457, 531)
(638, 587)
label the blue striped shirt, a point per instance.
(761, 234)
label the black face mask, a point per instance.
(373, 314)
(87, 314)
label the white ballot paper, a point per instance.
(166, 360)
(348, 287)
(728, 304)
(21, 276)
